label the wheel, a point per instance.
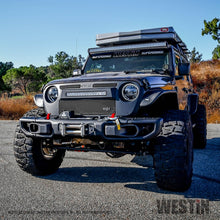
(200, 129)
(32, 155)
(37, 112)
(173, 153)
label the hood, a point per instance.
(152, 79)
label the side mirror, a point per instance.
(183, 69)
(77, 72)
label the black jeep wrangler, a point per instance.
(134, 95)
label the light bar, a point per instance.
(128, 47)
(83, 94)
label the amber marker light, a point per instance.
(167, 87)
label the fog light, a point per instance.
(33, 127)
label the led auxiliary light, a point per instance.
(79, 94)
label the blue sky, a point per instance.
(32, 30)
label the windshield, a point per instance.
(128, 62)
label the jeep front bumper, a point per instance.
(130, 129)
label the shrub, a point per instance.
(15, 108)
(206, 81)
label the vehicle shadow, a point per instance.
(205, 181)
(206, 174)
(100, 174)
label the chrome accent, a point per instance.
(72, 129)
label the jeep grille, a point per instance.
(88, 106)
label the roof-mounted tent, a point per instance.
(148, 35)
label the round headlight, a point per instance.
(130, 92)
(52, 94)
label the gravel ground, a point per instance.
(94, 186)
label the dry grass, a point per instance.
(206, 69)
(15, 108)
(206, 80)
(213, 117)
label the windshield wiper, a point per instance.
(145, 71)
(135, 71)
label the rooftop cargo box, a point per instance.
(154, 35)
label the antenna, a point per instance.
(76, 49)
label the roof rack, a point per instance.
(153, 35)
(128, 47)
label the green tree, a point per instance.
(62, 65)
(38, 79)
(3, 69)
(50, 59)
(216, 53)
(213, 28)
(81, 61)
(194, 56)
(26, 79)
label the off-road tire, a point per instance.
(173, 153)
(200, 129)
(28, 151)
(37, 112)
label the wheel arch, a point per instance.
(164, 102)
